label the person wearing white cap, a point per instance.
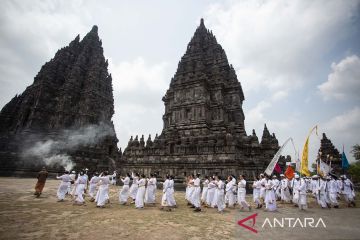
(270, 200)
(348, 191)
(333, 190)
(295, 189)
(113, 178)
(321, 189)
(285, 193)
(302, 194)
(276, 186)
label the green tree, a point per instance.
(354, 171)
(356, 151)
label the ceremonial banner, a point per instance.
(304, 170)
(344, 161)
(289, 173)
(324, 168)
(275, 159)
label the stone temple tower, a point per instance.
(72, 91)
(203, 124)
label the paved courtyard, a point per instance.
(24, 217)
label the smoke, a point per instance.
(54, 151)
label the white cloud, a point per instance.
(138, 89)
(276, 44)
(344, 80)
(346, 124)
(132, 75)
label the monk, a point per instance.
(42, 175)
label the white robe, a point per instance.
(302, 194)
(196, 193)
(134, 187)
(262, 189)
(140, 194)
(64, 185)
(348, 191)
(210, 192)
(171, 200)
(270, 201)
(150, 193)
(92, 187)
(333, 190)
(204, 190)
(80, 188)
(295, 190)
(256, 191)
(215, 198)
(229, 196)
(124, 193)
(220, 198)
(285, 193)
(242, 193)
(102, 194)
(166, 200)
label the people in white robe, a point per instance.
(204, 192)
(284, 187)
(215, 198)
(80, 188)
(210, 192)
(187, 191)
(327, 191)
(256, 192)
(64, 185)
(102, 195)
(150, 193)
(191, 189)
(321, 189)
(333, 193)
(140, 194)
(219, 193)
(313, 186)
(86, 176)
(73, 177)
(302, 194)
(241, 193)
(262, 189)
(166, 202)
(93, 185)
(113, 178)
(270, 200)
(295, 183)
(134, 186)
(348, 191)
(196, 193)
(124, 192)
(172, 192)
(276, 187)
(229, 189)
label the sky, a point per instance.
(297, 61)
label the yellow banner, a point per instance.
(304, 170)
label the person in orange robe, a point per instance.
(42, 175)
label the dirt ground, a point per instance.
(23, 216)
